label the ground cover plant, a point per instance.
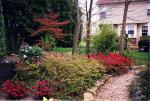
(69, 76)
(15, 90)
(139, 90)
(113, 62)
(139, 58)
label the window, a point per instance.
(115, 25)
(103, 12)
(148, 12)
(130, 29)
(103, 15)
(144, 30)
(148, 9)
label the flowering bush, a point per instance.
(42, 89)
(15, 90)
(31, 52)
(114, 62)
(72, 75)
(69, 76)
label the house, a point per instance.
(138, 17)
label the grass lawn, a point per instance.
(140, 58)
(62, 49)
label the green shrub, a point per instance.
(139, 90)
(144, 44)
(70, 76)
(106, 40)
(2, 33)
(30, 52)
(48, 42)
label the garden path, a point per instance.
(116, 88)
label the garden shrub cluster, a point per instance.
(30, 52)
(139, 90)
(113, 62)
(19, 89)
(106, 40)
(144, 44)
(69, 76)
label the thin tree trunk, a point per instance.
(77, 30)
(88, 26)
(123, 31)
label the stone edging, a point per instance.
(89, 95)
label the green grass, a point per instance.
(140, 58)
(62, 49)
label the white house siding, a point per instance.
(137, 13)
(137, 16)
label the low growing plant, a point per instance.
(42, 89)
(16, 89)
(113, 62)
(30, 53)
(70, 76)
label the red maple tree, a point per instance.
(50, 23)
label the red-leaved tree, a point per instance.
(50, 23)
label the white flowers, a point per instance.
(24, 56)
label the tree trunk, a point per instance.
(77, 30)
(123, 31)
(88, 26)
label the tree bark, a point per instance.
(77, 30)
(123, 31)
(88, 26)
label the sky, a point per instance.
(95, 13)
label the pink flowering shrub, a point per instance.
(42, 89)
(114, 62)
(15, 90)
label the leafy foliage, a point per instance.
(19, 20)
(144, 44)
(50, 23)
(31, 52)
(106, 40)
(139, 90)
(2, 34)
(48, 42)
(15, 90)
(69, 76)
(66, 10)
(114, 62)
(42, 89)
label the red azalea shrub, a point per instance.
(15, 90)
(114, 62)
(42, 88)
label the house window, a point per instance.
(130, 29)
(148, 12)
(115, 26)
(103, 15)
(144, 30)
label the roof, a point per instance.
(103, 2)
